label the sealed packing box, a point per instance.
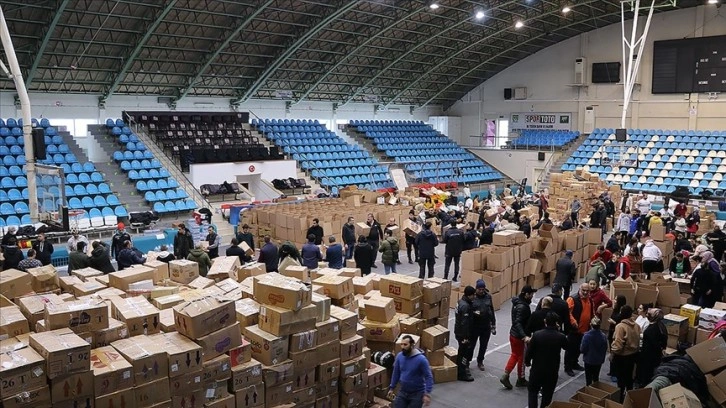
(335, 286)
(296, 271)
(115, 399)
(67, 390)
(282, 322)
(15, 283)
(12, 322)
(147, 357)
(709, 355)
(380, 309)
(223, 267)
(692, 312)
(167, 302)
(87, 288)
(266, 348)
(183, 271)
(220, 341)
(245, 375)
(250, 269)
(401, 286)
(328, 330)
(277, 290)
(351, 347)
(348, 321)
(381, 331)
(185, 356)
(304, 340)
(21, 367)
(432, 292)
(217, 369)
(676, 326)
(323, 304)
(201, 283)
(44, 279)
(361, 228)
(67, 282)
(140, 316)
(362, 285)
(111, 371)
(86, 273)
(79, 315)
(708, 318)
(408, 307)
(64, 352)
(122, 279)
(151, 393)
(250, 397)
(199, 317)
(412, 325)
(161, 269)
(248, 311)
(434, 338)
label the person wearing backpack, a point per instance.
(389, 251)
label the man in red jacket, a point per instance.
(601, 253)
(600, 300)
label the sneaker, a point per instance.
(480, 366)
(465, 377)
(398, 262)
(505, 382)
(453, 280)
(570, 373)
(521, 382)
(578, 367)
(410, 262)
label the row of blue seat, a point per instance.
(325, 164)
(154, 185)
(297, 122)
(142, 165)
(328, 151)
(17, 133)
(57, 159)
(454, 163)
(348, 171)
(421, 153)
(328, 141)
(412, 135)
(385, 129)
(653, 132)
(12, 122)
(298, 135)
(147, 174)
(88, 202)
(161, 195)
(356, 122)
(174, 206)
(380, 181)
(20, 207)
(290, 129)
(14, 220)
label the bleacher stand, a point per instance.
(544, 139)
(324, 155)
(85, 188)
(666, 159)
(417, 143)
(152, 180)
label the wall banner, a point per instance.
(540, 121)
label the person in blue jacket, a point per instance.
(594, 347)
(334, 254)
(412, 370)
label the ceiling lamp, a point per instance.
(712, 1)
(479, 15)
(519, 24)
(434, 6)
(566, 9)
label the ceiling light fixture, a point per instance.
(434, 6)
(712, 1)
(479, 15)
(519, 24)
(566, 9)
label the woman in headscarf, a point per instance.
(655, 339)
(700, 249)
(711, 265)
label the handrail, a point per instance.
(547, 165)
(185, 183)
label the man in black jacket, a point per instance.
(317, 231)
(43, 249)
(374, 237)
(235, 250)
(487, 235)
(269, 255)
(485, 322)
(543, 355)
(471, 235)
(464, 333)
(411, 240)
(559, 306)
(454, 240)
(426, 241)
(349, 237)
(518, 336)
(566, 272)
(12, 253)
(117, 242)
(183, 243)
(246, 236)
(99, 259)
(129, 256)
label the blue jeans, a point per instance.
(389, 268)
(405, 400)
(349, 252)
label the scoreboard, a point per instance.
(691, 65)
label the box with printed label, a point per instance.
(215, 391)
(353, 366)
(140, 316)
(202, 316)
(33, 306)
(185, 356)
(21, 367)
(79, 315)
(147, 357)
(251, 396)
(282, 322)
(692, 312)
(64, 352)
(348, 321)
(111, 371)
(401, 286)
(266, 348)
(36, 397)
(434, 338)
(246, 374)
(277, 290)
(328, 370)
(183, 271)
(220, 341)
(278, 395)
(240, 354)
(408, 306)
(328, 330)
(708, 318)
(385, 332)
(86, 273)
(217, 369)
(351, 347)
(302, 341)
(191, 381)
(676, 325)
(153, 392)
(323, 304)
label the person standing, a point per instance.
(411, 369)
(471, 236)
(29, 262)
(10, 234)
(599, 299)
(712, 266)
(426, 241)
(651, 258)
(310, 253)
(375, 235)
(246, 237)
(701, 282)
(454, 240)
(78, 258)
(183, 242)
(581, 313)
(363, 255)
(464, 333)
(717, 239)
(334, 254)
(693, 220)
(43, 249)
(317, 231)
(565, 272)
(411, 239)
(624, 350)
(75, 239)
(13, 254)
(117, 242)
(575, 208)
(485, 322)
(132, 256)
(559, 306)
(537, 320)
(268, 255)
(655, 341)
(165, 255)
(199, 256)
(543, 355)
(235, 250)
(389, 252)
(214, 240)
(100, 259)
(518, 336)
(349, 238)
(594, 347)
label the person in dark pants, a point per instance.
(117, 242)
(374, 237)
(363, 255)
(464, 333)
(543, 355)
(411, 369)
(246, 236)
(471, 236)
(183, 242)
(235, 250)
(537, 320)
(454, 240)
(426, 241)
(565, 272)
(334, 254)
(269, 255)
(317, 231)
(485, 322)
(594, 347)
(581, 312)
(214, 240)
(624, 350)
(44, 249)
(655, 340)
(349, 238)
(559, 306)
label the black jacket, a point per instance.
(117, 243)
(269, 256)
(526, 228)
(363, 256)
(487, 237)
(165, 256)
(560, 307)
(485, 319)
(470, 238)
(13, 256)
(246, 237)
(128, 257)
(426, 241)
(349, 234)
(235, 250)
(44, 255)
(376, 233)
(454, 240)
(183, 243)
(566, 271)
(537, 320)
(683, 244)
(464, 323)
(77, 260)
(520, 318)
(543, 352)
(613, 245)
(316, 230)
(701, 280)
(100, 261)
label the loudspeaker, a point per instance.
(64, 218)
(39, 143)
(621, 135)
(274, 152)
(508, 93)
(540, 156)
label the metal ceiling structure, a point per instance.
(376, 51)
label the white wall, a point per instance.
(546, 76)
(516, 164)
(218, 173)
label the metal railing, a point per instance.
(168, 163)
(505, 143)
(546, 169)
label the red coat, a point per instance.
(598, 298)
(623, 267)
(606, 256)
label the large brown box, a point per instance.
(111, 371)
(21, 367)
(335, 286)
(148, 358)
(348, 321)
(250, 396)
(401, 286)
(12, 322)
(70, 388)
(378, 331)
(328, 330)
(122, 279)
(78, 315)
(183, 271)
(245, 375)
(151, 393)
(223, 267)
(434, 338)
(220, 341)
(282, 322)
(44, 279)
(379, 309)
(266, 348)
(64, 352)
(248, 312)
(277, 290)
(15, 283)
(140, 316)
(205, 315)
(185, 356)
(351, 348)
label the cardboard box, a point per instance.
(183, 271)
(641, 398)
(282, 322)
(434, 338)
(202, 316)
(220, 341)
(378, 331)
(111, 371)
(401, 286)
(15, 283)
(12, 322)
(692, 312)
(266, 348)
(351, 348)
(709, 355)
(64, 352)
(44, 279)
(646, 294)
(248, 311)
(245, 375)
(353, 366)
(444, 373)
(72, 388)
(117, 399)
(185, 356)
(37, 397)
(335, 286)
(412, 325)
(79, 315)
(21, 367)
(676, 325)
(278, 395)
(408, 307)
(709, 318)
(677, 396)
(380, 309)
(140, 316)
(251, 396)
(717, 386)
(152, 393)
(298, 272)
(348, 321)
(147, 357)
(224, 266)
(250, 269)
(277, 290)
(122, 279)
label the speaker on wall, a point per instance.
(621, 135)
(39, 143)
(508, 93)
(540, 156)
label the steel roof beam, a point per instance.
(44, 42)
(292, 49)
(148, 32)
(218, 50)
